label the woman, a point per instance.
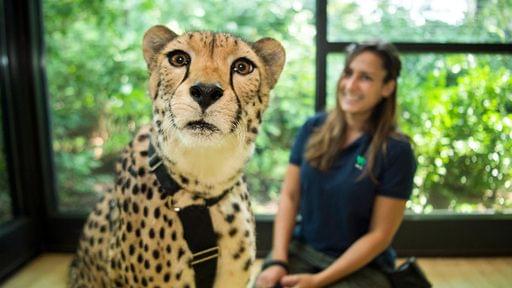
(350, 175)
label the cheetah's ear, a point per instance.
(154, 41)
(273, 55)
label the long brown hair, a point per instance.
(325, 141)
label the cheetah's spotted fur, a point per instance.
(133, 237)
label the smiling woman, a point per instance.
(362, 85)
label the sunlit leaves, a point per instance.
(467, 21)
(462, 134)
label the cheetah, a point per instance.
(209, 91)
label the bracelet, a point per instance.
(272, 262)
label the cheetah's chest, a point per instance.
(152, 249)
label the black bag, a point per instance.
(409, 275)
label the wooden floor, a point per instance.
(50, 270)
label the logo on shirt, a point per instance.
(360, 162)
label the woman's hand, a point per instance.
(300, 281)
(269, 277)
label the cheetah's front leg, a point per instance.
(91, 265)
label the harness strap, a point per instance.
(168, 184)
(197, 225)
(202, 242)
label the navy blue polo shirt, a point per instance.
(336, 206)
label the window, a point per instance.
(22, 188)
(97, 84)
(457, 107)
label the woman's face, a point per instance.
(362, 85)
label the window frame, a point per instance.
(24, 118)
(39, 227)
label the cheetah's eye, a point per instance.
(178, 58)
(243, 66)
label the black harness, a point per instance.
(197, 225)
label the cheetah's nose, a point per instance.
(205, 94)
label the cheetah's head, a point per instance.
(208, 88)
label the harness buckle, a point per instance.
(205, 255)
(152, 165)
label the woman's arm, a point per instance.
(286, 213)
(386, 218)
(283, 226)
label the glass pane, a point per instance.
(463, 21)
(97, 83)
(335, 64)
(458, 110)
(5, 196)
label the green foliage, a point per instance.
(97, 82)
(457, 108)
(459, 116)
(420, 21)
